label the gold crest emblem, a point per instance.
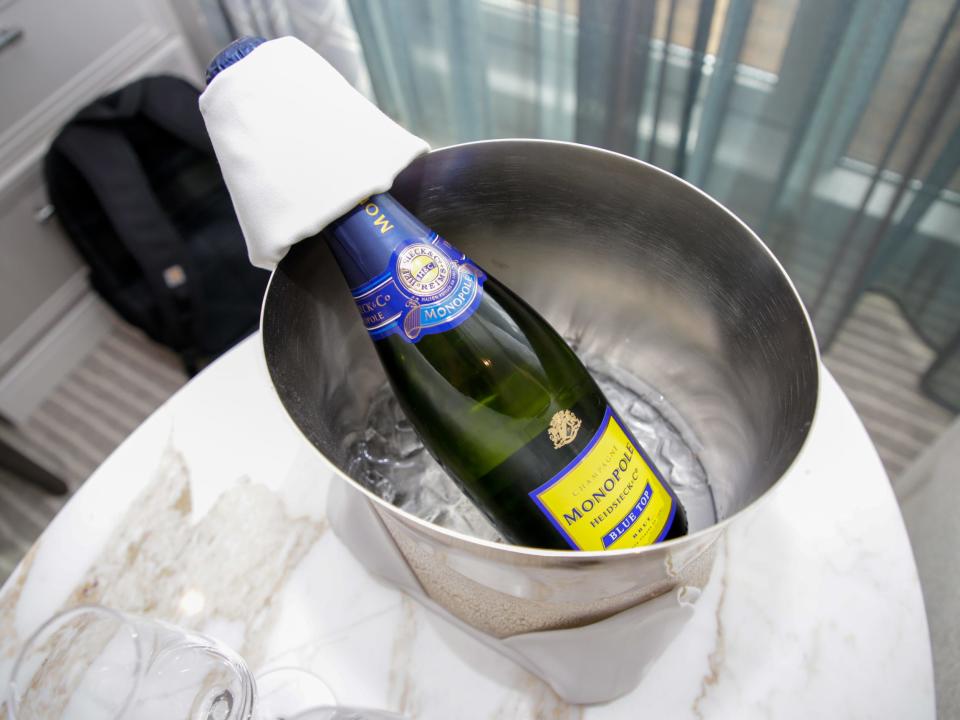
(564, 426)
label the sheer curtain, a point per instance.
(831, 128)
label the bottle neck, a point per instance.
(405, 280)
(363, 239)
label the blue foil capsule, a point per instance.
(237, 50)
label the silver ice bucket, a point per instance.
(640, 268)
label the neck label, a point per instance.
(427, 288)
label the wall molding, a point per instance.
(143, 50)
(16, 344)
(45, 363)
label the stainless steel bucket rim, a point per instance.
(523, 551)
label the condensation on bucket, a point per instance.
(387, 457)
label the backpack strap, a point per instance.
(104, 156)
(169, 102)
(174, 105)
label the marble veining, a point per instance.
(402, 689)
(224, 568)
(212, 515)
(9, 599)
(716, 655)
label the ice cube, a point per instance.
(388, 457)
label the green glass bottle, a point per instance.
(498, 397)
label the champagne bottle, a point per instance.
(496, 395)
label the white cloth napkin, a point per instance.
(297, 145)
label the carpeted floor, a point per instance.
(877, 358)
(89, 414)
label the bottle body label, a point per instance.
(609, 496)
(427, 287)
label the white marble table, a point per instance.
(211, 515)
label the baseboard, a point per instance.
(68, 341)
(42, 319)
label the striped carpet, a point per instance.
(89, 414)
(877, 358)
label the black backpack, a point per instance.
(136, 186)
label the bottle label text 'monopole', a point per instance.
(609, 496)
(426, 288)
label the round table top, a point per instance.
(211, 515)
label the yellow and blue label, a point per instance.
(609, 496)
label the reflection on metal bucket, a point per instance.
(641, 270)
